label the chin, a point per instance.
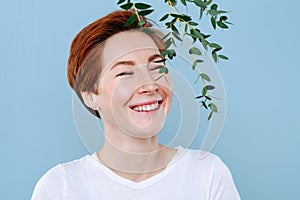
(147, 122)
(144, 128)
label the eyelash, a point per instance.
(124, 73)
(131, 73)
(158, 67)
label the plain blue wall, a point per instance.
(261, 137)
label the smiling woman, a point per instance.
(116, 72)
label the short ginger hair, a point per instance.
(84, 63)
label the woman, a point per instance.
(116, 72)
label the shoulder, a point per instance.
(56, 178)
(213, 175)
(207, 162)
(202, 158)
(66, 168)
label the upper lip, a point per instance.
(146, 103)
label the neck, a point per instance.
(134, 158)
(135, 166)
(116, 139)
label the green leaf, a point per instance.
(210, 115)
(185, 28)
(223, 18)
(213, 22)
(194, 65)
(176, 36)
(195, 50)
(201, 13)
(213, 107)
(127, 6)
(222, 25)
(169, 52)
(199, 97)
(131, 20)
(193, 23)
(223, 57)
(216, 50)
(196, 62)
(196, 33)
(183, 2)
(164, 17)
(204, 90)
(215, 56)
(185, 17)
(120, 1)
(164, 70)
(145, 12)
(141, 23)
(200, 3)
(166, 36)
(214, 45)
(173, 2)
(199, 61)
(213, 12)
(175, 15)
(172, 54)
(173, 42)
(205, 77)
(222, 11)
(204, 44)
(168, 24)
(173, 28)
(182, 16)
(205, 36)
(142, 6)
(208, 98)
(216, 12)
(168, 43)
(204, 104)
(214, 7)
(210, 87)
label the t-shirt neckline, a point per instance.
(142, 184)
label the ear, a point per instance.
(88, 99)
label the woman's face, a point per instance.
(133, 97)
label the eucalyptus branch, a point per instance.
(194, 51)
(218, 19)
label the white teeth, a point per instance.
(146, 107)
(152, 107)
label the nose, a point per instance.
(148, 84)
(148, 88)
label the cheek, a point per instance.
(167, 86)
(165, 81)
(122, 92)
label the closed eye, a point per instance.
(157, 67)
(124, 74)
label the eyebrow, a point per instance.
(131, 63)
(153, 57)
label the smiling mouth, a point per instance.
(147, 107)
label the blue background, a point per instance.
(260, 140)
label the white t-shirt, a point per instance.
(187, 177)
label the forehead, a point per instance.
(124, 43)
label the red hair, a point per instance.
(84, 65)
